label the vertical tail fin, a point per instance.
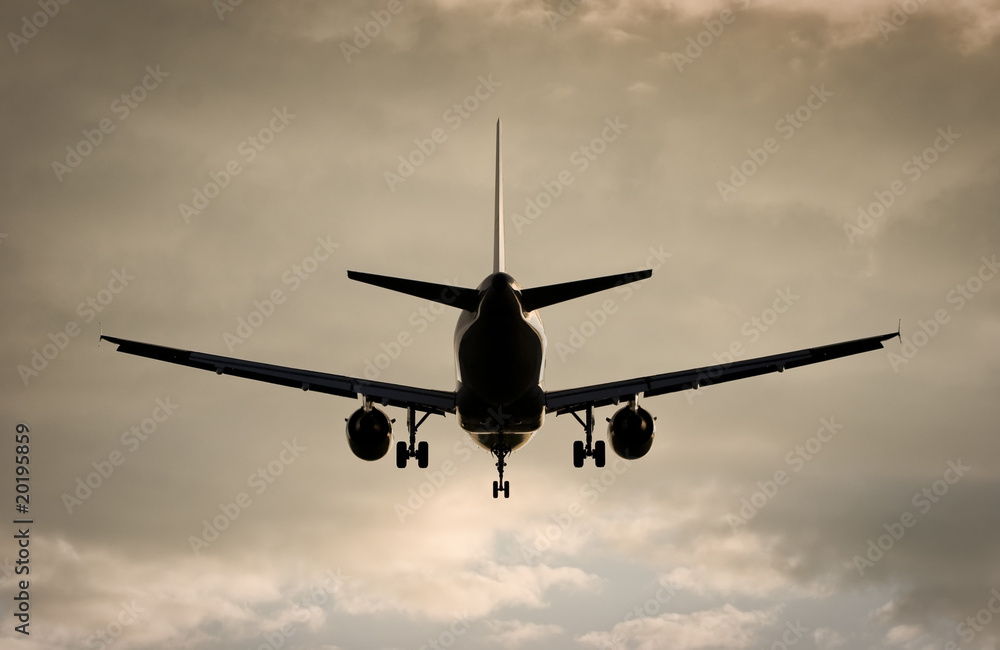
(498, 248)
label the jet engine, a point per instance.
(369, 433)
(630, 432)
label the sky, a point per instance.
(202, 175)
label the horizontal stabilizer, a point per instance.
(532, 299)
(467, 299)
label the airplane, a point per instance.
(499, 398)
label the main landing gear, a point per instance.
(501, 451)
(597, 451)
(413, 450)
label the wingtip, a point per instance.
(114, 340)
(892, 335)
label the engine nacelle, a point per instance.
(631, 432)
(369, 433)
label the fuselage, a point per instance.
(500, 362)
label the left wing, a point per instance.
(574, 399)
(422, 399)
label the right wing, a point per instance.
(574, 399)
(422, 399)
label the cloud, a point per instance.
(724, 627)
(514, 634)
(471, 592)
(141, 604)
(827, 638)
(905, 636)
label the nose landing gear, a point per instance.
(501, 451)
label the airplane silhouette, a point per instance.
(500, 354)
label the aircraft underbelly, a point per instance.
(500, 364)
(500, 360)
(511, 441)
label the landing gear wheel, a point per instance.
(413, 450)
(501, 451)
(582, 451)
(599, 453)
